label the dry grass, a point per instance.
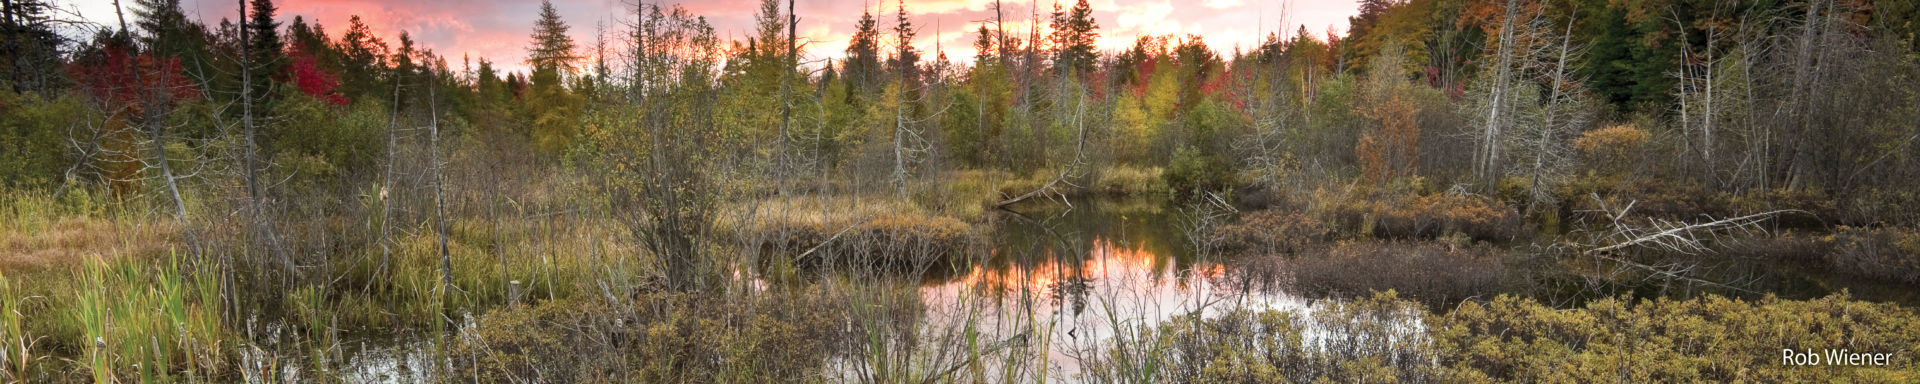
(846, 224)
(72, 240)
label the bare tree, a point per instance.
(1542, 144)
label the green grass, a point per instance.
(147, 322)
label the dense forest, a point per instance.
(1461, 190)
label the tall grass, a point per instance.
(17, 357)
(143, 321)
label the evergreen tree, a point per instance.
(1073, 35)
(552, 47)
(265, 53)
(905, 62)
(983, 47)
(28, 56)
(363, 57)
(863, 54)
(550, 107)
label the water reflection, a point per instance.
(1075, 278)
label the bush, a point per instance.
(1611, 151)
(1367, 340)
(1383, 338)
(1435, 273)
(32, 147)
(1130, 181)
(1408, 216)
(1272, 231)
(657, 338)
(1194, 170)
(1891, 254)
(1710, 339)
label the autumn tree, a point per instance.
(1392, 149)
(551, 108)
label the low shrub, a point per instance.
(1507, 339)
(655, 338)
(1411, 216)
(1891, 254)
(1709, 339)
(1432, 272)
(1130, 181)
(1272, 232)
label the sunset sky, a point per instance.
(499, 29)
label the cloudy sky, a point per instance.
(499, 29)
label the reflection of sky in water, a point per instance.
(1080, 303)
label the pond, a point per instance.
(1069, 280)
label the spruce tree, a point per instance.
(1073, 33)
(28, 56)
(552, 47)
(265, 53)
(863, 54)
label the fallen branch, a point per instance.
(1674, 236)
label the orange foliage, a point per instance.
(1393, 151)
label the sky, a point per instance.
(500, 30)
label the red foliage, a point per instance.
(112, 79)
(1143, 75)
(315, 81)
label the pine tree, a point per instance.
(1073, 33)
(363, 57)
(552, 48)
(863, 54)
(551, 108)
(905, 62)
(983, 47)
(265, 53)
(28, 56)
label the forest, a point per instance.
(1446, 191)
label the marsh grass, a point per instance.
(148, 322)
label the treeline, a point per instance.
(1734, 95)
(1694, 107)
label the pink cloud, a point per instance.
(500, 29)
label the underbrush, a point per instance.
(1272, 231)
(1889, 254)
(1383, 338)
(879, 231)
(1710, 339)
(1412, 215)
(1431, 272)
(1372, 339)
(657, 338)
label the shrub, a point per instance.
(32, 150)
(1383, 338)
(1272, 231)
(1130, 181)
(1891, 254)
(1194, 170)
(1372, 339)
(655, 338)
(1432, 272)
(1611, 150)
(1710, 339)
(1408, 216)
